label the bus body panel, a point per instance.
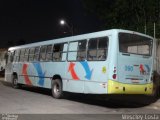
(135, 69)
(136, 73)
(40, 74)
(86, 76)
(113, 52)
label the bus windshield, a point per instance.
(135, 44)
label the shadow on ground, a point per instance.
(110, 101)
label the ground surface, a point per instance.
(29, 100)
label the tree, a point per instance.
(137, 15)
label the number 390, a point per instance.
(128, 68)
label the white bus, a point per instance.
(106, 62)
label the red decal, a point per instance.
(72, 71)
(142, 70)
(24, 72)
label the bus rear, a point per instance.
(133, 71)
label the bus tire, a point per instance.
(57, 91)
(15, 82)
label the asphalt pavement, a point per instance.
(33, 102)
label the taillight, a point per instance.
(114, 76)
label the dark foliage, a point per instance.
(137, 15)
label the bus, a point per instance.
(113, 61)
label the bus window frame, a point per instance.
(11, 56)
(97, 48)
(49, 53)
(16, 56)
(130, 53)
(61, 52)
(77, 50)
(29, 54)
(22, 59)
(37, 54)
(26, 55)
(40, 56)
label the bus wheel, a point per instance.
(57, 91)
(15, 82)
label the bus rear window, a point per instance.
(135, 44)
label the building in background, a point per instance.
(3, 60)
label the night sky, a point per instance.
(38, 20)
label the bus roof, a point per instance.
(77, 37)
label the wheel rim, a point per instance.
(56, 89)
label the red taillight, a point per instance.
(114, 76)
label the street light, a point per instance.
(63, 22)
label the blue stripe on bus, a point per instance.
(87, 70)
(40, 73)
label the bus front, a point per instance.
(134, 65)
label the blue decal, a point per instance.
(148, 69)
(87, 70)
(40, 73)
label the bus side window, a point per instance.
(16, 55)
(10, 56)
(43, 53)
(31, 54)
(57, 52)
(72, 52)
(77, 50)
(64, 54)
(22, 55)
(26, 54)
(92, 49)
(102, 48)
(36, 54)
(81, 53)
(49, 53)
(97, 49)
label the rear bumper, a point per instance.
(115, 87)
